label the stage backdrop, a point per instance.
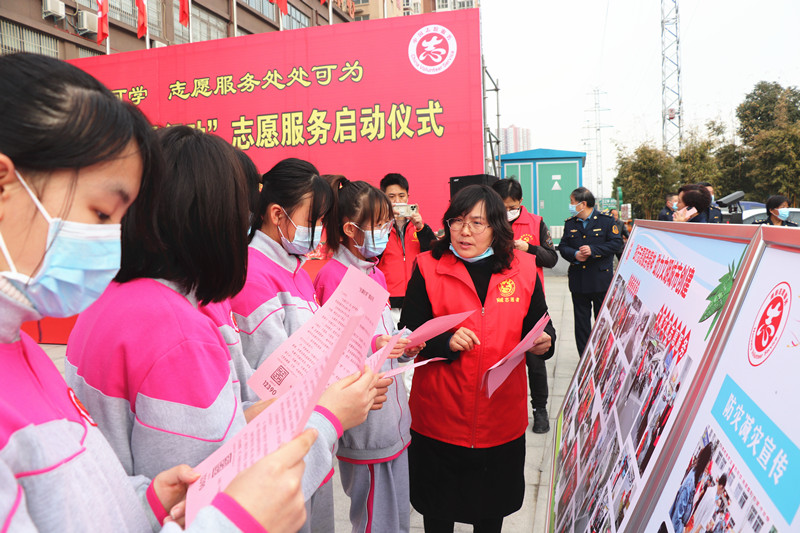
(645, 352)
(361, 99)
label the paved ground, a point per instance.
(531, 518)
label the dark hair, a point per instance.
(357, 201)
(202, 219)
(253, 179)
(286, 184)
(703, 457)
(502, 235)
(508, 188)
(697, 196)
(773, 202)
(705, 184)
(722, 480)
(394, 179)
(56, 116)
(582, 194)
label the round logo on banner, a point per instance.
(770, 322)
(432, 49)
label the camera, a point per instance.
(405, 210)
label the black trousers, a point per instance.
(582, 312)
(537, 378)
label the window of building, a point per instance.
(16, 38)
(85, 52)
(721, 461)
(358, 2)
(205, 26)
(442, 4)
(125, 12)
(295, 19)
(264, 7)
(465, 4)
(362, 17)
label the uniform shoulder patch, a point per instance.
(615, 229)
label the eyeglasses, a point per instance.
(456, 224)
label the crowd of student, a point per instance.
(207, 283)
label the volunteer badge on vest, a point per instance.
(507, 289)
(80, 408)
(527, 237)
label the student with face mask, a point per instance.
(73, 159)
(278, 298)
(373, 460)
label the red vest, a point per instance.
(447, 400)
(527, 227)
(397, 263)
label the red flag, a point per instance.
(141, 18)
(102, 20)
(283, 5)
(322, 1)
(184, 12)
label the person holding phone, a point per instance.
(693, 203)
(405, 242)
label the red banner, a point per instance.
(360, 99)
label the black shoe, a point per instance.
(541, 423)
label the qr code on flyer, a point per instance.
(280, 374)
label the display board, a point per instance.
(361, 99)
(737, 467)
(642, 357)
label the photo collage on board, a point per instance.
(714, 496)
(614, 415)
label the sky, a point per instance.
(548, 57)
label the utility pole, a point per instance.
(597, 128)
(486, 124)
(671, 99)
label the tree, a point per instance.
(758, 112)
(697, 160)
(735, 171)
(646, 176)
(775, 154)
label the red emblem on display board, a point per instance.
(770, 322)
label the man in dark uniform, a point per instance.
(671, 199)
(589, 243)
(714, 212)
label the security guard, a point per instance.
(714, 212)
(589, 243)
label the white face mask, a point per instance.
(302, 243)
(513, 214)
(79, 262)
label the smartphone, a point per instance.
(405, 210)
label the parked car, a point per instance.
(749, 216)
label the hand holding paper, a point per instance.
(437, 326)
(351, 398)
(497, 374)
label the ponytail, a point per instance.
(358, 202)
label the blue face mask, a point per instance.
(783, 213)
(302, 242)
(375, 241)
(79, 262)
(573, 209)
(488, 253)
(674, 206)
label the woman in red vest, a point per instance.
(531, 236)
(467, 451)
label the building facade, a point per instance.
(514, 139)
(66, 29)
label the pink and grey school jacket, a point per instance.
(386, 432)
(57, 471)
(277, 299)
(156, 375)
